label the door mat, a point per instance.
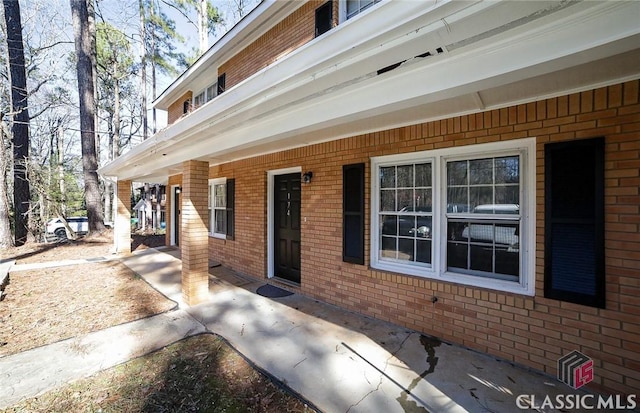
(271, 291)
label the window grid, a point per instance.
(477, 243)
(501, 233)
(355, 7)
(217, 208)
(405, 213)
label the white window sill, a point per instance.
(456, 278)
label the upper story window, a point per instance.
(208, 94)
(199, 99)
(354, 7)
(463, 215)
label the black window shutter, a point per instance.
(324, 18)
(231, 200)
(353, 213)
(222, 86)
(574, 222)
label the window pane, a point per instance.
(389, 225)
(457, 255)
(423, 251)
(507, 170)
(457, 173)
(406, 226)
(220, 221)
(507, 260)
(352, 7)
(423, 200)
(387, 200)
(388, 247)
(220, 196)
(480, 195)
(405, 200)
(508, 194)
(457, 196)
(211, 92)
(423, 227)
(423, 175)
(405, 176)
(481, 258)
(481, 171)
(388, 177)
(405, 249)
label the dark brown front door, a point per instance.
(176, 216)
(287, 227)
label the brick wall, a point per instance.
(123, 217)
(176, 109)
(194, 240)
(531, 331)
(294, 31)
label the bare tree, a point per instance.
(84, 68)
(6, 238)
(20, 128)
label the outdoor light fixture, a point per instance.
(306, 177)
(178, 190)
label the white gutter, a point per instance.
(265, 15)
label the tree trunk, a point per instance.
(143, 69)
(81, 31)
(60, 159)
(20, 129)
(203, 28)
(6, 238)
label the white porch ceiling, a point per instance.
(483, 55)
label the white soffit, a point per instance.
(559, 48)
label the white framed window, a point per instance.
(205, 95)
(211, 91)
(463, 214)
(198, 100)
(218, 207)
(350, 8)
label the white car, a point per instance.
(80, 225)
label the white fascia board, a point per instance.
(450, 78)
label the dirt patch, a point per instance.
(87, 246)
(52, 304)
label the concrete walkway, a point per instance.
(337, 360)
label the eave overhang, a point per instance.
(481, 56)
(247, 30)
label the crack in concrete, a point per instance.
(365, 396)
(429, 344)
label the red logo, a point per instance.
(575, 369)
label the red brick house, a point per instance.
(467, 170)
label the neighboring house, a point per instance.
(150, 210)
(467, 170)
